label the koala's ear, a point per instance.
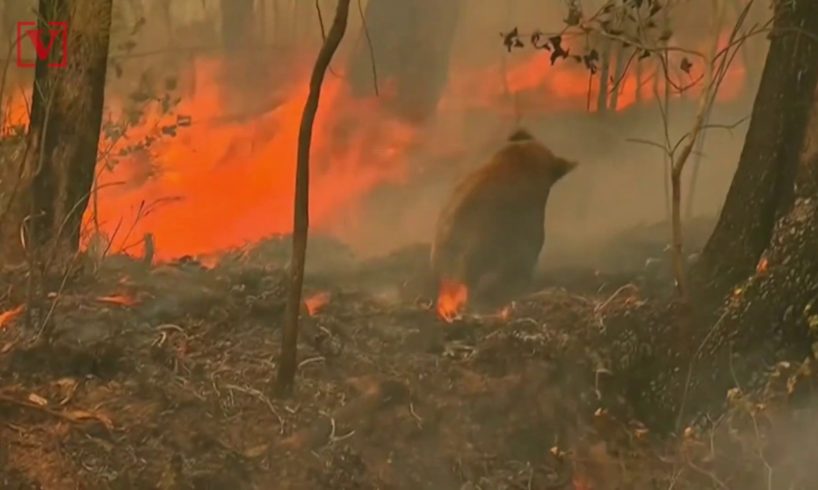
(562, 167)
(520, 134)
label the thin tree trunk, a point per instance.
(662, 75)
(719, 10)
(667, 161)
(164, 7)
(762, 186)
(640, 78)
(753, 48)
(277, 34)
(694, 174)
(618, 80)
(289, 345)
(604, 74)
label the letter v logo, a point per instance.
(44, 50)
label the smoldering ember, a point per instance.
(422, 244)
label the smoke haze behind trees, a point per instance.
(618, 185)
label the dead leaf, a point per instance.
(80, 415)
(68, 386)
(37, 400)
(256, 452)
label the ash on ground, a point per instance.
(163, 378)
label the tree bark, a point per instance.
(619, 67)
(762, 190)
(604, 75)
(289, 344)
(63, 134)
(410, 47)
(769, 225)
(772, 315)
(237, 24)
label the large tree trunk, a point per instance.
(762, 190)
(410, 45)
(66, 113)
(769, 313)
(764, 247)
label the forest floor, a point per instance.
(162, 378)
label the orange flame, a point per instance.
(9, 316)
(451, 300)
(225, 181)
(762, 266)
(542, 87)
(118, 299)
(581, 483)
(505, 313)
(316, 302)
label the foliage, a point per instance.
(151, 96)
(639, 25)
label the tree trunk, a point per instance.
(768, 232)
(604, 75)
(244, 81)
(762, 190)
(66, 114)
(301, 214)
(410, 43)
(619, 67)
(640, 72)
(237, 24)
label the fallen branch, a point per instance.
(73, 416)
(377, 395)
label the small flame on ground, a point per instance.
(9, 316)
(762, 266)
(581, 483)
(451, 300)
(316, 302)
(209, 261)
(118, 299)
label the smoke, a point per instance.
(620, 182)
(486, 93)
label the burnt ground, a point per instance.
(162, 378)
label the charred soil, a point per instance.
(162, 378)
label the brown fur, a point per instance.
(491, 229)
